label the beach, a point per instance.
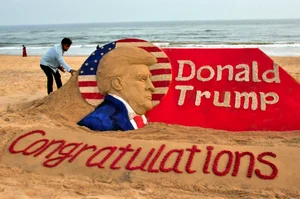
(23, 88)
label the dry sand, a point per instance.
(23, 99)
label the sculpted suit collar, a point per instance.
(130, 111)
(121, 117)
(110, 115)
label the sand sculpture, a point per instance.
(123, 77)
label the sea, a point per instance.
(277, 37)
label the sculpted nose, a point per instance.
(150, 86)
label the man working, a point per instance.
(53, 60)
(123, 76)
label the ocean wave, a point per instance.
(3, 44)
(103, 42)
(159, 43)
(262, 43)
(270, 44)
(41, 31)
(84, 46)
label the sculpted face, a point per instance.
(125, 72)
(137, 88)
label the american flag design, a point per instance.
(161, 71)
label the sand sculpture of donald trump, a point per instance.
(123, 77)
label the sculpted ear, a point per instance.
(116, 83)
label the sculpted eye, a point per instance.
(143, 79)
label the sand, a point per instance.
(25, 105)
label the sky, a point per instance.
(31, 12)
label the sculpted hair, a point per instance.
(116, 62)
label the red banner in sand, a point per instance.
(229, 89)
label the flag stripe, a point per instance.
(130, 40)
(157, 96)
(161, 84)
(162, 60)
(165, 77)
(161, 90)
(150, 49)
(92, 95)
(90, 89)
(133, 44)
(160, 66)
(84, 78)
(161, 71)
(158, 54)
(155, 102)
(87, 83)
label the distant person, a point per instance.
(97, 47)
(53, 60)
(24, 52)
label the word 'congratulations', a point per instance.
(155, 160)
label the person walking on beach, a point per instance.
(97, 47)
(53, 60)
(24, 54)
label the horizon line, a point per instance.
(118, 22)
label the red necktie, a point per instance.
(139, 121)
